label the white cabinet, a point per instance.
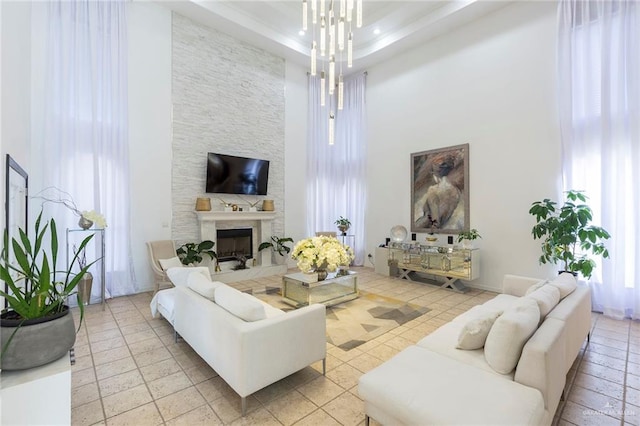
(38, 396)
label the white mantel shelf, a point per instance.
(222, 215)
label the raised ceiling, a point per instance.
(275, 25)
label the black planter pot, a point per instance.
(36, 342)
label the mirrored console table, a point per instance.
(452, 263)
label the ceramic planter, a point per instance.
(36, 342)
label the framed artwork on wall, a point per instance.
(440, 190)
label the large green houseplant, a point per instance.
(567, 235)
(278, 245)
(36, 299)
(191, 253)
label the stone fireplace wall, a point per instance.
(228, 98)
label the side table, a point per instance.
(349, 240)
(76, 236)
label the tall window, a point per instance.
(85, 150)
(599, 95)
(336, 174)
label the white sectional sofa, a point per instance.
(249, 343)
(515, 377)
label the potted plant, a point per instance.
(278, 246)
(567, 234)
(343, 225)
(37, 327)
(466, 238)
(191, 253)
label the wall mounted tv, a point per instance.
(227, 174)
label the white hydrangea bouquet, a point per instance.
(321, 253)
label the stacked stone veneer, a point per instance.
(228, 98)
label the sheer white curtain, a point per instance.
(336, 174)
(599, 95)
(85, 138)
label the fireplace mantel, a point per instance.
(261, 222)
(222, 215)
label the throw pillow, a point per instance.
(173, 262)
(509, 334)
(536, 286)
(566, 283)
(203, 285)
(239, 304)
(547, 297)
(475, 332)
(180, 276)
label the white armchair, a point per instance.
(161, 249)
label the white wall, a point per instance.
(149, 28)
(490, 84)
(15, 89)
(295, 152)
(15, 43)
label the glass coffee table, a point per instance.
(301, 289)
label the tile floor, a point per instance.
(129, 370)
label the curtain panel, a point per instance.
(86, 129)
(599, 102)
(336, 174)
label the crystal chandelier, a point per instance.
(332, 23)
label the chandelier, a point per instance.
(332, 25)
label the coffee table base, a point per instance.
(300, 290)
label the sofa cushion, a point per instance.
(172, 262)
(501, 302)
(566, 283)
(269, 310)
(420, 387)
(444, 340)
(203, 285)
(535, 287)
(474, 333)
(180, 275)
(509, 334)
(547, 297)
(241, 305)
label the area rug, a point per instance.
(352, 323)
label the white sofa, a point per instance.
(251, 353)
(433, 382)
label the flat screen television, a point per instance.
(228, 174)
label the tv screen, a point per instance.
(227, 174)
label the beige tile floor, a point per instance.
(129, 370)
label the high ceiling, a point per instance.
(275, 25)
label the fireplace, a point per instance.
(232, 243)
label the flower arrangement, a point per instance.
(54, 195)
(321, 253)
(95, 217)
